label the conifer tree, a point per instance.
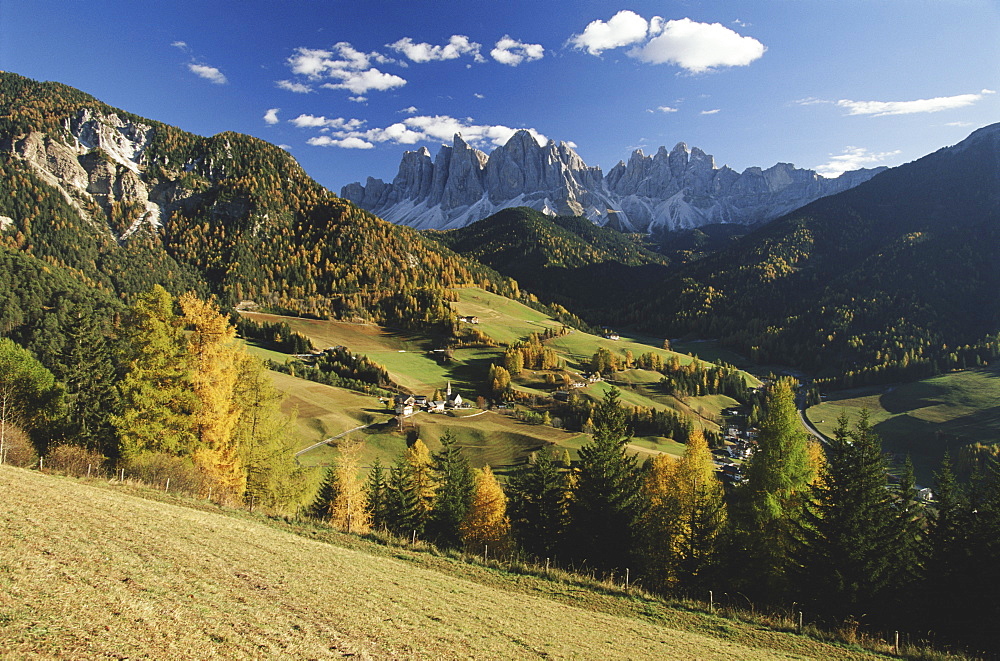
(88, 373)
(486, 522)
(778, 479)
(266, 440)
(349, 508)
(158, 401)
(376, 494)
(454, 484)
(539, 502)
(849, 531)
(606, 499)
(213, 358)
(684, 517)
(410, 493)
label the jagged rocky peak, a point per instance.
(681, 187)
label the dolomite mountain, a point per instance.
(669, 190)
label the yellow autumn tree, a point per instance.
(349, 506)
(214, 357)
(685, 516)
(486, 522)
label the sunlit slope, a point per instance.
(90, 572)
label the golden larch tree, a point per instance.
(486, 522)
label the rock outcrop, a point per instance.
(668, 190)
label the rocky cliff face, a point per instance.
(668, 190)
(95, 164)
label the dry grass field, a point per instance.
(93, 571)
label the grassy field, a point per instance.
(91, 570)
(925, 418)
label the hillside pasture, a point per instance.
(91, 570)
(925, 418)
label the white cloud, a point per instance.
(412, 110)
(292, 86)
(180, 45)
(344, 63)
(344, 143)
(937, 104)
(358, 99)
(478, 95)
(361, 82)
(210, 74)
(513, 52)
(456, 47)
(421, 128)
(312, 121)
(852, 158)
(271, 116)
(570, 144)
(663, 109)
(711, 112)
(698, 47)
(624, 28)
(960, 124)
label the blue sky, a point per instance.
(346, 87)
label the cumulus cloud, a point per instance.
(412, 110)
(695, 47)
(412, 130)
(358, 99)
(313, 121)
(457, 46)
(210, 74)
(478, 95)
(937, 104)
(343, 143)
(513, 52)
(698, 47)
(271, 116)
(853, 158)
(292, 86)
(350, 68)
(624, 28)
(662, 109)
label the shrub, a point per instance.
(74, 460)
(155, 468)
(17, 448)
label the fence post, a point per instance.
(546, 566)
(413, 539)
(711, 602)
(167, 487)
(88, 469)
(626, 579)
(40, 463)
(800, 622)
(895, 647)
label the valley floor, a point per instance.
(90, 570)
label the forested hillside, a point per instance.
(563, 259)
(895, 279)
(130, 202)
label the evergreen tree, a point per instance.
(376, 494)
(850, 532)
(454, 486)
(606, 500)
(946, 582)
(486, 522)
(88, 372)
(410, 493)
(778, 479)
(538, 504)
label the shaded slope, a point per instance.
(883, 281)
(565, 259)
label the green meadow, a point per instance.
(925, 418)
